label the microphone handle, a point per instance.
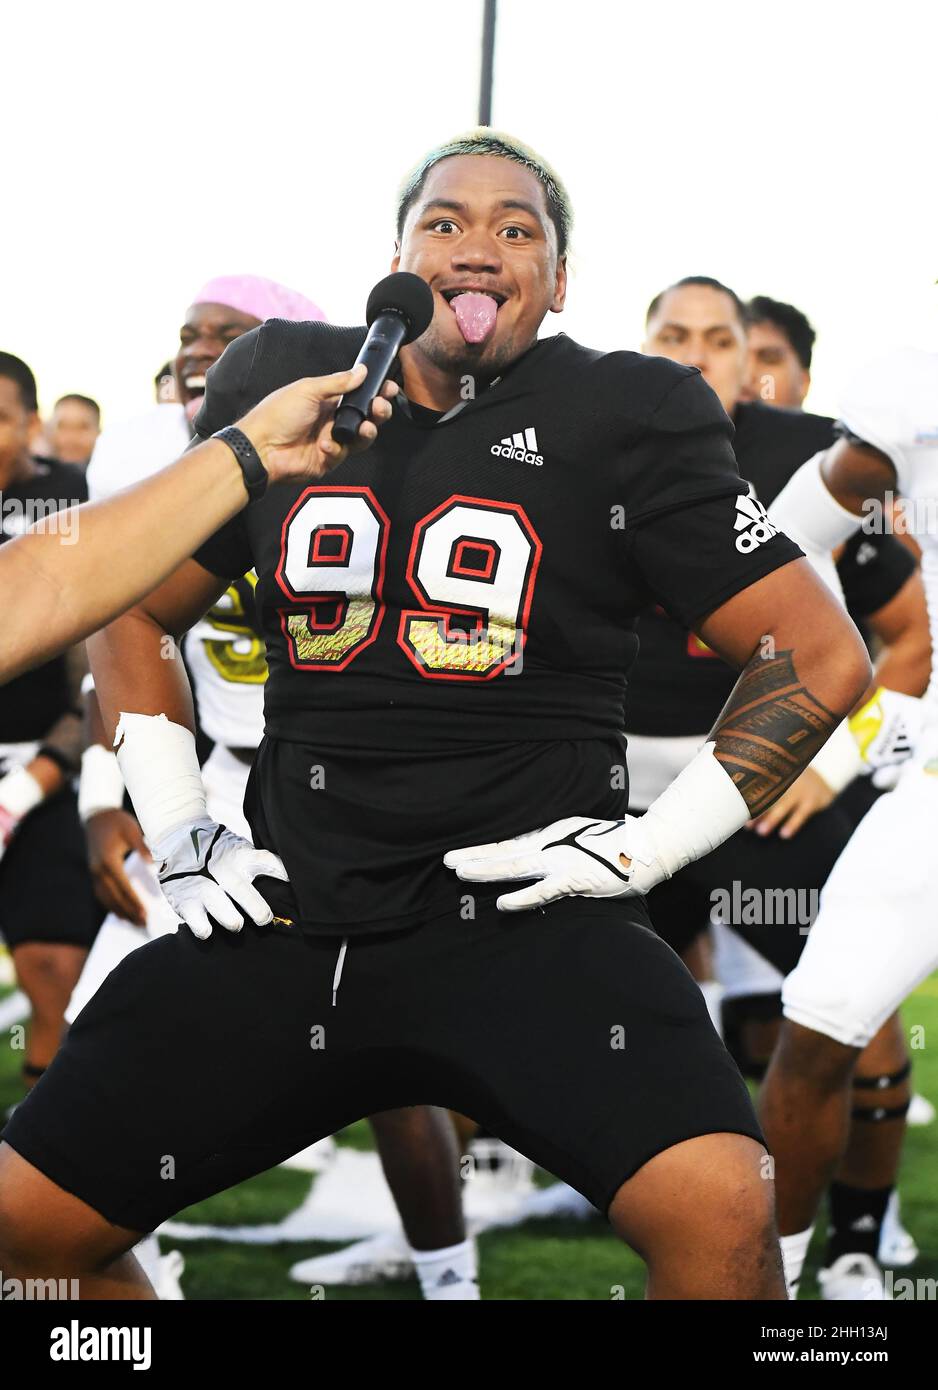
(378, 352)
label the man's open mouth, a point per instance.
(195, 384)
(450, 295)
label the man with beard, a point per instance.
(449, 622)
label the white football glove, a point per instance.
(887, 728)
(20, 793)
(574, 857)
(204, 868)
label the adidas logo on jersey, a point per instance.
(753, 523)
(522, 447)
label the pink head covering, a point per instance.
(259, 297)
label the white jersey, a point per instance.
(128, 452)
(223, 652)
(893, 405)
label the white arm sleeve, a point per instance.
(810, 514)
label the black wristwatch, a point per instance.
(255, 474)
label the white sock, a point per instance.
(147, 1253)
(794, 1250)
(449, 1273)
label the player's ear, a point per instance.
(396, 259)
(560, 286)
(805, 382)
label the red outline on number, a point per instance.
(308, 601)
(431, 609)
(321, 531)
(461, 571)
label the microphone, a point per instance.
(399, 309)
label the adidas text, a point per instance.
(522, 447)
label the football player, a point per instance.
(48, 913)
(449, 622)
(780, 341)
(676, 690)
(873, 940)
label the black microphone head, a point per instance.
(404, 294)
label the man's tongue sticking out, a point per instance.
(475, 314)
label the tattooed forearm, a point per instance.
(770, 729)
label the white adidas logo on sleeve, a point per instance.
(521, 446)
(753, 522)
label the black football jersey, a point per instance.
(678, 686)
(450, 616)
(34, 701)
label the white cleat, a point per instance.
(852, 1279)
(171, 1269)
(381, 1259)
(897, 1247)
(558, 1202)
(921, 1111)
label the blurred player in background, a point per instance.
(224, 654)
(876, 936)
(678, 688)
(780, 341)
(48, 912)
(73, 429)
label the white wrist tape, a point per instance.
(101, 786)
(840, 760)
(809, 513)
(20, 793)
(698, 811)
(161, 771)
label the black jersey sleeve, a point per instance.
(872, 570)
(694, 558)
(683, 453)
(228, 552)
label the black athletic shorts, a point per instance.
(46, 894)
(575, 1034)
(761, 876)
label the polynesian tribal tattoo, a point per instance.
(769, 729)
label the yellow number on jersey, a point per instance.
(241, 657)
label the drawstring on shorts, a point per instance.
(336, 979)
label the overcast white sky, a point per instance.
(787, 149)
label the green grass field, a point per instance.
(541, 1260)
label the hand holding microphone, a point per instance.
(305, 429)
(399, 310)
(292, 429)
